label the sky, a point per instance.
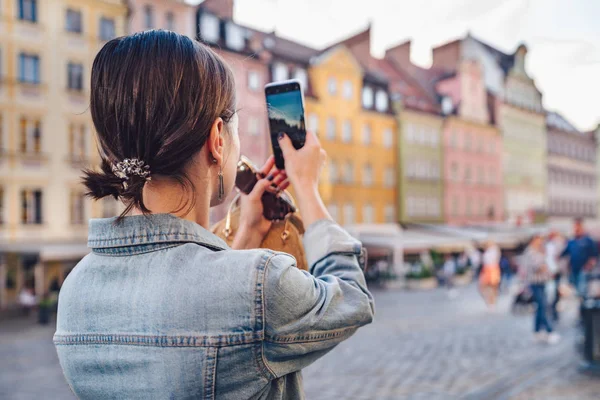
(287, 106)
(563, 37)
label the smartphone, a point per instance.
(285, 108)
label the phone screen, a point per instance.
(286, 114)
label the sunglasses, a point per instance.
(276, 206)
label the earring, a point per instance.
(221, 185)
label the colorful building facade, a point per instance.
(472, 149)
(173, 15)
(46, 135)
(572, 170)
(420, 156)
(352, 114)
(519, 116)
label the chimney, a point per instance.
(222, 8)
(400, 54)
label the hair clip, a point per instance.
(131, 166)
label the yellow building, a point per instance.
(46, 136)
(351, 113)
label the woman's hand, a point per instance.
(303, 168)
(253, 225)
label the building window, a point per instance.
(107, 29)
(381, 101)
(368, 175)
(280, 72)
(234, 36)
(349, 214)
(254, 81)
(333, 172)
(468, 210)
(253, 126)
(347, 131)
(332, 86)
(367, 97)
(347, 90)
(313, 123)
(389, 178)
(480, 176)
(467, 141)
(455, 205)
(366, 134)
(453, 139)
(170, 19)
(330, 133)
(300, 74)
(75, 76)
(209, 28)
(348, 172)
(31, 138)
(77, 207)
(31, 206)
(388, 138)
(468, 174)
(368, 214)
(409, 133)
(492, 176)
(2, 149)
(77, 141)
(29, 68)
(333, 211)
(1, 205)
(148, 17)
(73, 21)
(389, 212)
(28, 10)
(454, 175)
(434, 138)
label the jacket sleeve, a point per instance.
(307, 314)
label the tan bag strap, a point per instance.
(227, 230)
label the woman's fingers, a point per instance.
(268, 166)
(278, 180)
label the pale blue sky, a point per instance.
(563, 36)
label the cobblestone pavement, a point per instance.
(427, 345)
(423, 345)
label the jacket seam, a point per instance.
(159, 341)
(312, 337)
(112, 253)
(264, 316)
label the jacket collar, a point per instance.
(154, 230)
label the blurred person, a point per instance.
(474, 256)
(489, 279)
(505, 270)
(161, 307)
(537, 275)
(449, 270)
(553, 250)
(27, 299)
(582, 252)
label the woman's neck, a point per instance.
(165, 197)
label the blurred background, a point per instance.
(451, 127)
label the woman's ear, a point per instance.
(215, 142)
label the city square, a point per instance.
(422, 345)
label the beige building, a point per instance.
(46, 136)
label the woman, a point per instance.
(489, 279)
(162, 308)
(537, 275)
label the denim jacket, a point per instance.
(163, 309)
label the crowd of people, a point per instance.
(545, 269)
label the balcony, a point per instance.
(78, 162)
(31, 159)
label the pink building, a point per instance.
(173, 15)
(473, 179)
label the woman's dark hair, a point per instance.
(154, 97)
